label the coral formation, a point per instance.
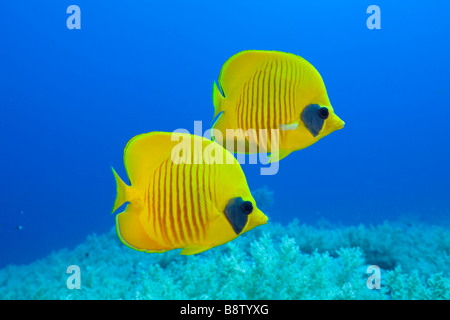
(272, 262)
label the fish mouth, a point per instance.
(340, 125)
(336, 123)
(263, 219)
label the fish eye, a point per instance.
(323, 113)
(247, 207)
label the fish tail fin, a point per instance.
(125, 193)
(218, 99)
(128, 223)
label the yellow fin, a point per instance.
(217, 100)
(124, 192)
(144, 154)
(130, 231)
(281, 154)
(240, 67)
(194, 250)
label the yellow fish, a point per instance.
(272, 90)
(182, 195)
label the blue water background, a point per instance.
(71, 99)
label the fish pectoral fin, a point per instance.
(194, 250)
(289, 126)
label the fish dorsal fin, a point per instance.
(238, 69)
(144, 153)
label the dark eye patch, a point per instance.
(312, 117)
(237, 211)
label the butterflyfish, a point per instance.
(271, 101)
(191, 197)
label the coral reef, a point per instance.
(271, 262)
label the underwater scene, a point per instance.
(225, 150)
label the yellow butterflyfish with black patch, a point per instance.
(262, 91)
(190, 195)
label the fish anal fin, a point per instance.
(132, 234)
(157, 251)
(277, 157)
(194, 250)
